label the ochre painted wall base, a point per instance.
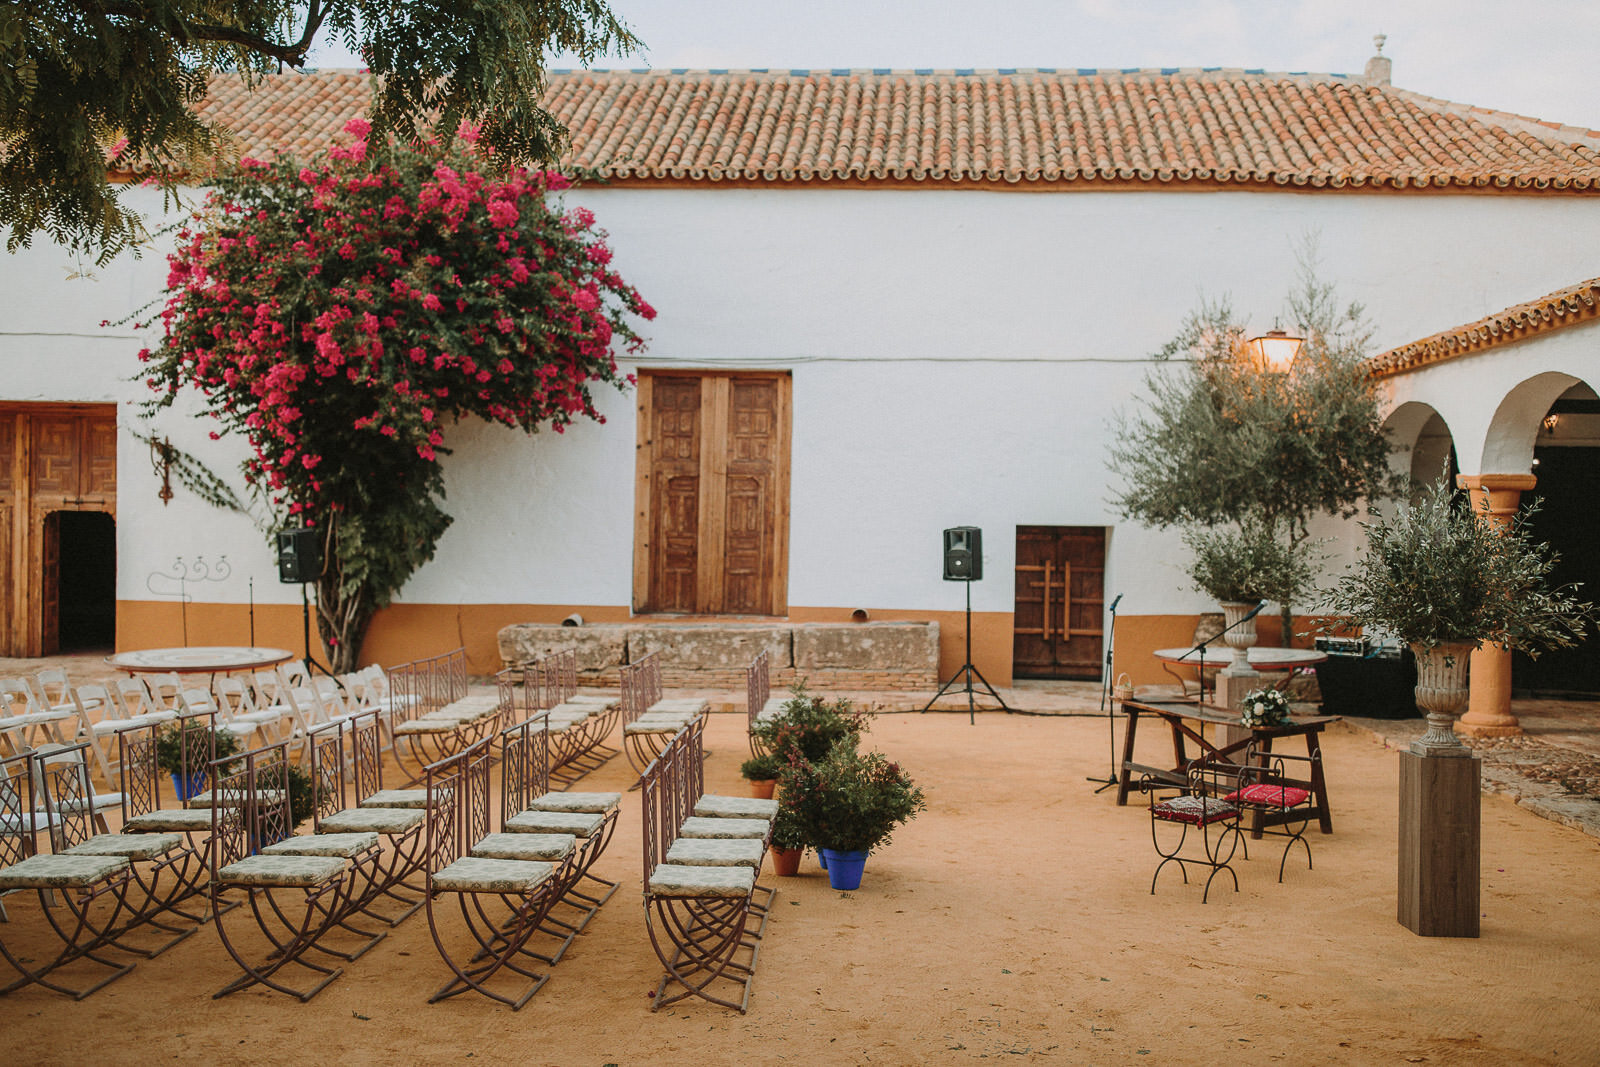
(404, 632)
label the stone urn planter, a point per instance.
(1441, 691)
(1243, 638)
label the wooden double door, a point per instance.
(711, 529)
(1060, 601)
(54, 458)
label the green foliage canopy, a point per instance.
(1434, 573)
(87, 84)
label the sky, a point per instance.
(1530, 57)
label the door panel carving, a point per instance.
(714, 494)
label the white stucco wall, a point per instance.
(956, 359)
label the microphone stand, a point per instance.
(1203, 645)
(1110, 709)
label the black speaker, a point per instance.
(963, 554)
(299, 555)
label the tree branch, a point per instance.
(187, 32)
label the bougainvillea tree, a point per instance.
(341, 314)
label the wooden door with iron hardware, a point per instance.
(1060, 597)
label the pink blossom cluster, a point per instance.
(343, 312)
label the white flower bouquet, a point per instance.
(1264, 707)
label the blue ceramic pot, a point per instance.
(844, 868)
(188, 788)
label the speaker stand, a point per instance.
(305, 627)
(967, 673)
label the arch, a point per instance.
(1508, 445)
(1421, 441)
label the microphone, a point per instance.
(1252, 613)
(1117, 601)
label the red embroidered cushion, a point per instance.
(1278, 796)
(1197, 811)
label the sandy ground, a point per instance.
(1012, 922)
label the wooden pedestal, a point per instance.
(1440, 799)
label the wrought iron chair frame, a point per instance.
(458, 812)
(95, 905)
(251, 806)
(1217, 821)
(700, 939)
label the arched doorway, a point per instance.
(1566, 457)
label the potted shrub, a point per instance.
(847, 804)
(809, 726)
(788, 842)
(1445, 581)
(1240, 568)
(762, 773)
(203, 743)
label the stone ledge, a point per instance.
(878, 655)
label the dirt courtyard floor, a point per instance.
(1012, 922)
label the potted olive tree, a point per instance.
(1242, 567)
(1446, 581)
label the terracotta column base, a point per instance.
(1488, 711)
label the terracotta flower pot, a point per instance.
(786, 861)
(761, 788)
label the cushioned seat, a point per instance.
(692, 705)
(550, 847)
(600, 699)
(347, 845)
(642, 726)
(267, 797)
(702, 827)
(720, 807)
(128, 846)
(397, 798)
(377, 820)
(577, 823)
(1277, 796)
(676, 880)
(716, 852)
(282, 872)
(1194, 810)
(170, 821)
(591, 802)
(427, 726)
(167, 820)
(475, 874)
(52, 871)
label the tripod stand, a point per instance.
(968, 672)
(1102, 784)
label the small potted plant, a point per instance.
(788, 842)
(809, 726)
(202, 743)
(1445, 581)
(847, 804)
(762, 773)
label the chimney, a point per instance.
(1378, 67)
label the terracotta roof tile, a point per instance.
(1565, 307)
(1160, 128)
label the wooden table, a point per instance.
(201, 659)
(1188, 721)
